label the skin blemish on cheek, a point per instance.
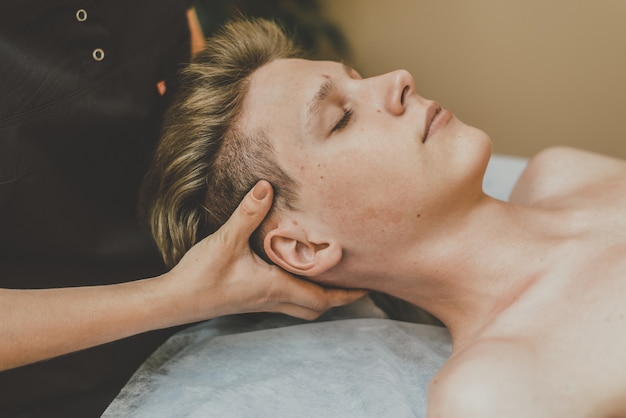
(419, 214)
(322, 177)
(295, 222)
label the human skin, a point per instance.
(532, 291)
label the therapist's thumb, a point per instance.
(251, 211)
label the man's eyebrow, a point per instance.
(322, 94)
(324, 90)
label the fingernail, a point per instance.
(259, 191)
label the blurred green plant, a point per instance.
(304, 19)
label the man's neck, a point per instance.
(478, 266)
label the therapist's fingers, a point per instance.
(310, 299)
(340, 297)
(248, 215)
(298, 312)
(311, 313)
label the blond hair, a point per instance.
(204, 164)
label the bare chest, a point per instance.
(573, 329)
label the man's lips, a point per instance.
(435, 117)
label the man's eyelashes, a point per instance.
(347, 115)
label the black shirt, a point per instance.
(79, 117)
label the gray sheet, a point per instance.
(345, 368)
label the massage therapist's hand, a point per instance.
(222, 275)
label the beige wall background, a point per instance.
(530, 73)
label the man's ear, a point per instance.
(292, 250)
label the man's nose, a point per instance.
(400, 85)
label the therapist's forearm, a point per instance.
(40, 324)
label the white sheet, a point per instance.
(345, 368)
(502, 174)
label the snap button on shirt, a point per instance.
(81, 15)
(98, 54)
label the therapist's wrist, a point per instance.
(174, 301)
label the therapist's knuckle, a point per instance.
(248, 208)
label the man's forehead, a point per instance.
(278, 78)
(275, 93)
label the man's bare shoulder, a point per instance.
(560, 171)
(491, 378)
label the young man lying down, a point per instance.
(377, 187)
